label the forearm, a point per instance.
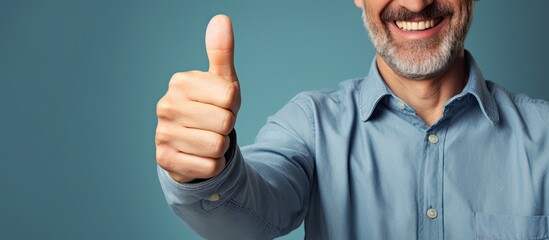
(209, 207)
(240, 203)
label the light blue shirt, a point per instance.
(358, 163)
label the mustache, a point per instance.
(432, 11)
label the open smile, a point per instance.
(418, 28)
(418, 25)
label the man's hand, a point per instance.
(199, 111)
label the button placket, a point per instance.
(432, 205)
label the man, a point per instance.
(421, 148)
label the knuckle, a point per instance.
(213, 168)
(164, 109)
(230, 94)
(227, 122)
(216, 145)
(174, 83)
(161, 135)
(176, 77)
(179, 77)
(163, 159)
(162, 162)
(166, 159)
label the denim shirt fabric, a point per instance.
(356, 162)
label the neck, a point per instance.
(428, 96)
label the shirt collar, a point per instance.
(374, 89)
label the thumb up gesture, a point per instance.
(199, 110)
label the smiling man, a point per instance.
(423, 147)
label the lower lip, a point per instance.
(416, 35)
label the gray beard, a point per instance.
(418, 60)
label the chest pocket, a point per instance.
(509, 227)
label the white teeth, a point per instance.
(421, 26)
(415, 26)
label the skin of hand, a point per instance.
(199, 110)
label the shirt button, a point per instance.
(214, 197)
(400, 105)
(433, 138)
(432, 213)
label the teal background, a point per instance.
(79, 81)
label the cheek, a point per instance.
(376, 8)
(373, 18)
(464, 16)
(373, 10)
(466, 10)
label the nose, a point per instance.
(415, 5)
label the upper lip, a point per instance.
(415, 19)
(418, 19)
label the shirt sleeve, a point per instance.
(264, 190)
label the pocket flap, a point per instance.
(511, 227)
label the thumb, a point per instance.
(220, 47)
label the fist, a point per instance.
(199, 110)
